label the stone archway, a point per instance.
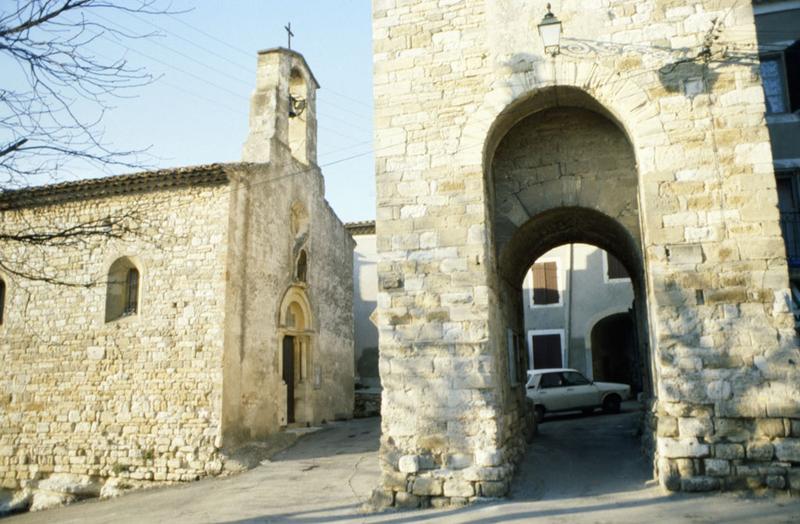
(563, 172)
(296, 356)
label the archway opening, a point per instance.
(563, 182)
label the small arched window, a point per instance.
(122, 292)
(302, 267)
(2, 299)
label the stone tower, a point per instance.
(283, 109)
(642, 136)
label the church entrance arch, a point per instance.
(295, 339)
(560, 170)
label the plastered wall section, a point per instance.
(262, 261)
(722, 364)
(137, 397)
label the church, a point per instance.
(224, 316)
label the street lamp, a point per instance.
(550, 31)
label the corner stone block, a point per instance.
(409, 463)
(489, 458)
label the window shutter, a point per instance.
(539, 285)
(551, 280)
(792, 60)
(615, 268)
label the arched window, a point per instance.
(122, 291)
(301, 273)
(2, 299)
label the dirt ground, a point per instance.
(580, 469)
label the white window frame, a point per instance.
(559, 280)
(606, 279)
(536, 332)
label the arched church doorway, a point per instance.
(296, 357)
(562, 172)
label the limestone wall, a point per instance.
(450, 81)
(138, 397)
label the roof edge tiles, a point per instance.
(364, 227)
(148, 181)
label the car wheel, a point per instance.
(538, 413)
(611, 404)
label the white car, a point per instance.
(562, 389)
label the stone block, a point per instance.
(794, 427)
(380, 499)
(493, 489)
(729, 451)
(793, 478)
(409, 464)
(405, 500)
(394, 480)
(458, 488)
(769, 427)
(667, 426)
(695, 427)
(489, 457)
(717, 467)
(787, 449)
(427, 486)
(668, 476)
(679, 448)
(776, 481)
(458, 461)
(697, 484)
(760, 450)
(685, 253)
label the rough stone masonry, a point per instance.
(645, 135)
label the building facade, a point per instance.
(643, 134)
(222, 318)
(578, 313)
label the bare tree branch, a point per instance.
(55, 90)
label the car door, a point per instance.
(551, 392)
(580, 390)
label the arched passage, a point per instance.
(561, 170)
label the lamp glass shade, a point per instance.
(550, 31)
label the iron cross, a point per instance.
(289, 33)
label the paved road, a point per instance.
(580, 469)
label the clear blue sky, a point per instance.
(197, 111)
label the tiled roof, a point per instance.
(205, 175)
(365, 227)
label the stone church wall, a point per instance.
(138, 397)
(262, 262)
(450, 81)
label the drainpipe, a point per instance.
(569, 304)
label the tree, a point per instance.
(55, 89)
